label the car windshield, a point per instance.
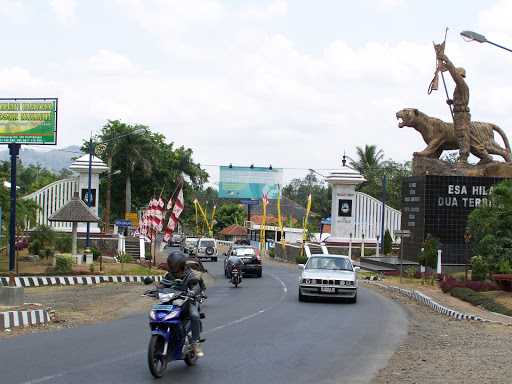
(207, 243)
(244, 252)
(331, 263)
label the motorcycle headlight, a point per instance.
(152, 315)
(171, 315)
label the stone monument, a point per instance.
(439, 196)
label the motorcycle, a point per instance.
(236, 276)
(171, 335)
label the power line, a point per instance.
(285, 168)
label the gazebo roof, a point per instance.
(82, 164)
(75, 211)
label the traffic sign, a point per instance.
(123, 223)
(402, 233)
(250, 202)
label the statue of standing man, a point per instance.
(460, 102)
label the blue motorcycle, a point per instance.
(171, 336)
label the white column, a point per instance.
(343, 208)
(439, 267)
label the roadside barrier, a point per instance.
(41, 281)
(11, 319)
(429, 302)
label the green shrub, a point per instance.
(272, 252)
(301, 259)
(64, 243)
(388, 242)
(504, 266)
(48, 253)
(124, 258)
(479, 268)
(35, 247)
(45, 235)
(63, 264)
(96, 253)
(410, 272)
(480, 299)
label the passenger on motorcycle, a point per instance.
(183, 278)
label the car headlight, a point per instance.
(307, 281)
(171, 315)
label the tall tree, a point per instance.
(155, 164)
(229, 214)
(298, 190)
(491, 227)
(368, 160)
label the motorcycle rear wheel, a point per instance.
(156, 362)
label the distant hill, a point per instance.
(54, 159)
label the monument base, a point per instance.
(12, 296)
(423, 166)
(439, 206)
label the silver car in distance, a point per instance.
(331, 276)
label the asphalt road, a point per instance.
(258, 333)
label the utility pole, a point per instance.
(14, 151)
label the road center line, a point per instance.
(137, 353)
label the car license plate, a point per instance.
(327, 289)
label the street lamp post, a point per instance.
(479, 38)
(89, 192)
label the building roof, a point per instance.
(234, 230)
(82, 165)
(75, 211)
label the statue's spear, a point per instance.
(434, 84)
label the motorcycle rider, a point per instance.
(183, 278)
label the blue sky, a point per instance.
(292, 83)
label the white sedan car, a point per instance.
(328, 276)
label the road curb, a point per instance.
(42, 281)
(12, 319)
(429, 302)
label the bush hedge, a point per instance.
(449, 283)
(480, 299)
(63, 264)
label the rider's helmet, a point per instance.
(176, 262)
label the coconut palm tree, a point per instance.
(369, 159)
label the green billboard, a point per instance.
(28, 121)
(249, 182)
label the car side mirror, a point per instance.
(357, 269)
(301, 267)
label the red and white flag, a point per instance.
(158, 215)
(177, 209)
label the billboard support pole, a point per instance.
(14, 150)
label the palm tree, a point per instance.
(130, 150)
(369, 159)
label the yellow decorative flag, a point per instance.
(280, 218)
(265, 202)
(305, 224)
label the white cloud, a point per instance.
(13, 10)
(111, 63)
(254, 96)
(276, 8)
(64, 10)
